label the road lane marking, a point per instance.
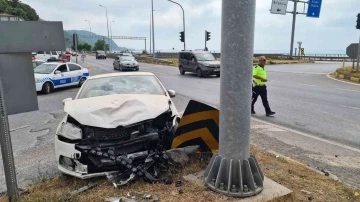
(298, 72)
(309, 136)
(351, 107)
(304, 84)
(347, 89)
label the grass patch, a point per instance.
(348, 71)
(291, 174)
(175, 61)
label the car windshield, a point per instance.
(45, 68)
(101, 52)
(132, 84)
(205, 56)
(127, 59)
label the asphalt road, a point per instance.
(302, 96)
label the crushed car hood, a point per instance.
(112, 111)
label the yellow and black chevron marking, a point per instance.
(198, 126)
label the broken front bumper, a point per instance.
(86, 160)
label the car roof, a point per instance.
(61, 63)
(121, 74)
(195, 51)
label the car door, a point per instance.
(116, 62)
(75, 73)
(185, 61)
(63, 78)
(192, 63)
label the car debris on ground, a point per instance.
(147, 165)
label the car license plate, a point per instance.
(216, 70)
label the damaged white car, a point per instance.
(115, 121)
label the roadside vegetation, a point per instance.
(347, 73)
(306, 184)
(174, 61)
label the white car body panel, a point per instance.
(111, 111)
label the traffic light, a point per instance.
(358, 21)
(75, 39)
(182, 36)
(207, 35)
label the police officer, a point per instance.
(259, 86)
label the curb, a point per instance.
(336, 79)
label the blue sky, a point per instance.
(332, 32)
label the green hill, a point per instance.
(17, 8)
(83, 37)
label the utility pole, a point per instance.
(153, 37)
(293, 28)
(233, 171)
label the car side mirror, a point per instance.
(57, 72)
(171, 93)
(66, 99)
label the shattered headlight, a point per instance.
(70, 131)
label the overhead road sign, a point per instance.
(279, 7)
(314, 8)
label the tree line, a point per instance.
(99, 45)
(17, 8)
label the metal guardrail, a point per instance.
(317, 57)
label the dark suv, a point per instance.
(203, 63)
(100, 54)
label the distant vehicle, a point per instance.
(126, 54)
(49, 76)
(203, 63)
(121, 112)
(53, 59)
(45, 55)
(125, 63)
(100, 54)
(74, 54)
(36, 63)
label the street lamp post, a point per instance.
(107, 23)
(183, 20)
(150, 32)
(111, 34)
(90, 30)
(89, 25)
(153, 37)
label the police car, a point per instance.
(51, 75)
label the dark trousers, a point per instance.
(260, 90)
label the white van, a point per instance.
(45, 55)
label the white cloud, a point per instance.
(334, 30)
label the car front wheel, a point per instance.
(46, 89)
(199, 72)
(182, 71)
(81, 82)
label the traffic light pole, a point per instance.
(233, 171)
(358, 56)
(205, 39)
